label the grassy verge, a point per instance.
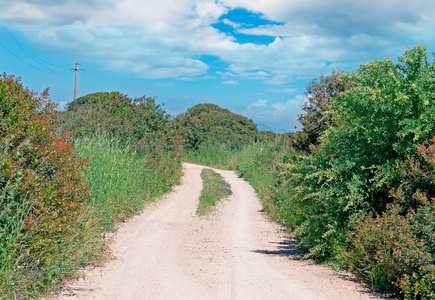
(123, 181)
(257, 163)
(212, 155)
(215, 188)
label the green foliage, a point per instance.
(212, 155)
(123, 179)
(214, 189)
(258, 163)
(404, 259)
(137, 121)
(55, 207)
(208, 123)
(392, 252)
(318, 110)
(41, 189)
(369, 157)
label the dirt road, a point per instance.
(169, 253)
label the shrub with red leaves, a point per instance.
(39, 171)
(396, 250)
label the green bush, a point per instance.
(377, 123)
(41, 190)
(208, 123)
(404, 258)
(318, 109)
(138, 122)
(366, 191)
(392, 251)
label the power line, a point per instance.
(22, 59)
(37, 59)
(104, 77)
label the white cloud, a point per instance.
(258, 103)
(162, 38)
(231, 82)
(288, 107)
(230, 23)
(278, 116)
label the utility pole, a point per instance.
(77, 69)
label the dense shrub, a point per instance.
(318, 110)
(392, 251)
(139, 122)
(41, 186)
(208, 123)
(376, 124)
(404, 257)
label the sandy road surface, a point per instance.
(169, 253)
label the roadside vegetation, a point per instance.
(215, 188)
(362, 195)
(66, 180)
(356, 186)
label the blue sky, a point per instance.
(252, 57)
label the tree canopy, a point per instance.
(209, 123)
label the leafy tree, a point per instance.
(317, 116)
(97, 98)
(377, 123)
(208, 123)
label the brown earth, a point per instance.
(168, 252)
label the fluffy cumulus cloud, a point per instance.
(166, 38)
(263, 49)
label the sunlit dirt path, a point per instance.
(169, 253)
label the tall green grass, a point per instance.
(12, 250)
(210, 154)
(258, 163)
(123, 180)
(214, 189)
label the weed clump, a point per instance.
(214, 189)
